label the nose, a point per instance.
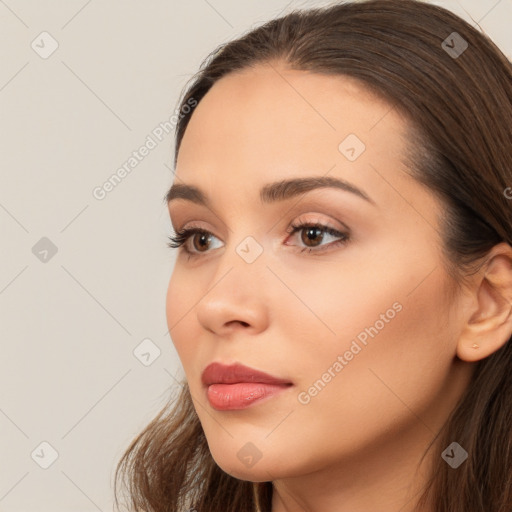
(236, 298)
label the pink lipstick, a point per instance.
(237, 386)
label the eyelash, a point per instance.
(180, 238)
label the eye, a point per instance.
(181, 238)
(313, 234)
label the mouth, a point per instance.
(237, 386)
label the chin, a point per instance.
(262, 473)
(250, 464)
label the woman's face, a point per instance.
(357, 320)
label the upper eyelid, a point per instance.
(293, 226)
(172, 217)
(298, 219)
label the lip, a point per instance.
(236, 386)
(218, 373)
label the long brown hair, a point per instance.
(458, 100)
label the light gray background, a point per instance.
(69, 325)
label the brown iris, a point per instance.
(204, 237)
(309, 234)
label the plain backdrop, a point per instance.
(86, 359)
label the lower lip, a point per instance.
(228, 397)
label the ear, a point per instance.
(489, 325)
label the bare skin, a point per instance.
(355, 444)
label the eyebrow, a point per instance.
(272, 192)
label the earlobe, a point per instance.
(489, 327)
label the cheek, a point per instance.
(180, 313)
(396, 352)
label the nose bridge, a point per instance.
(237, 291)
(243, 264)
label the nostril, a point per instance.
(244, 324)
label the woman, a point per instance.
(341, 298)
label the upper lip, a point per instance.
(218, 373)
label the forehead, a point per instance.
(265, 116)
